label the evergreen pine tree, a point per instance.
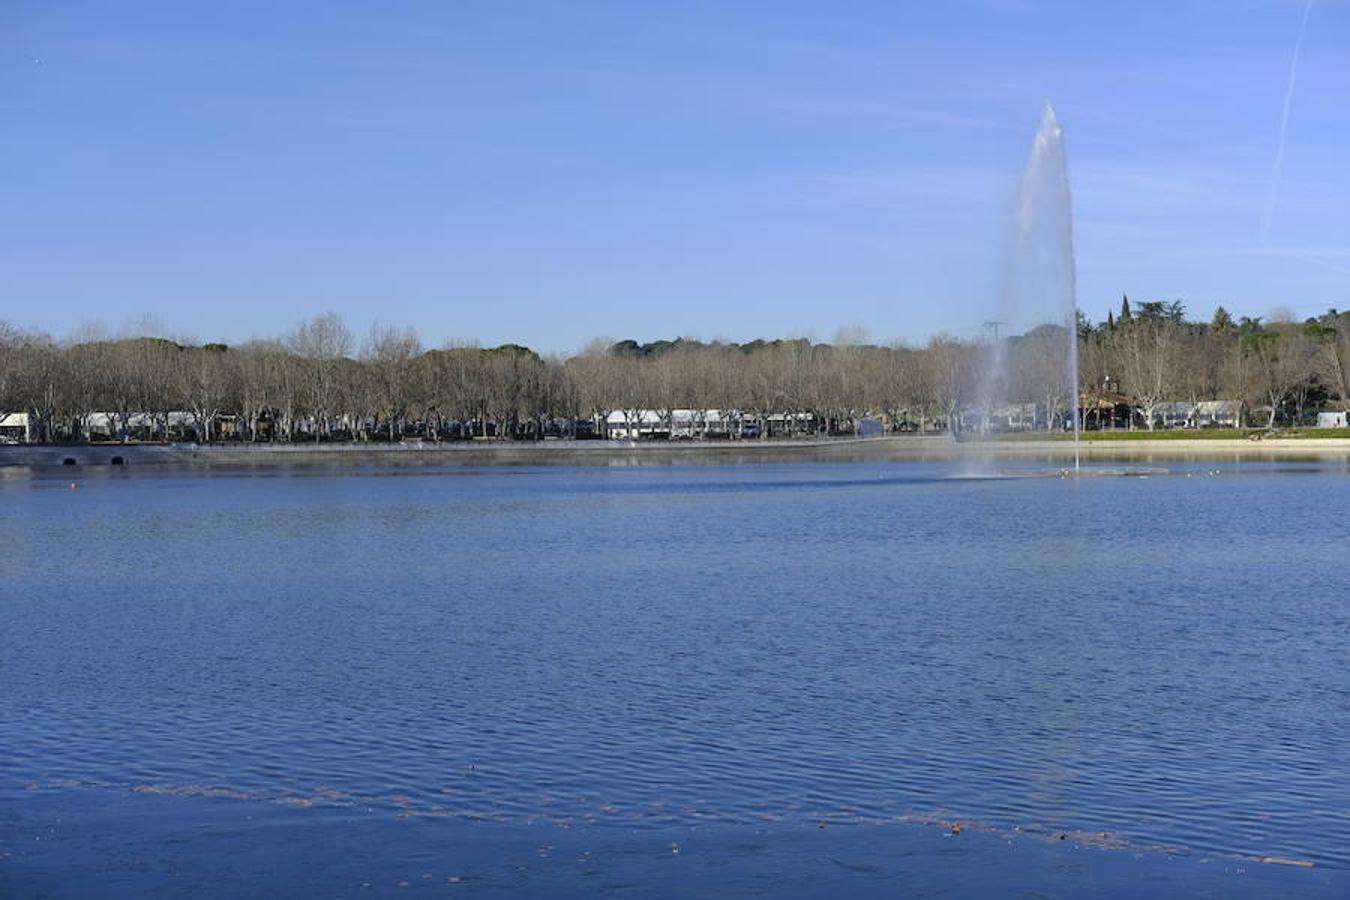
(1222, 321)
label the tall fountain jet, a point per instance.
(1032, 357)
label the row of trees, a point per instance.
(1281, 369)
(317, 384)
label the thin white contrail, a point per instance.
(1274, 195)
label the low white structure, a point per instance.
(16, 428)
(1176, 414)
(1332, 420)
(110, 425)
(1005, 417)
(1218, 413)
(690, 423)
(632, 424)
(1205, 414)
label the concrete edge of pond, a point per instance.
(899, 447)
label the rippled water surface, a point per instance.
(1163, 659)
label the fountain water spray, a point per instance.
(1037, 360)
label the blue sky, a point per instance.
(551, 172)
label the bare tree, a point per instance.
(1333, 363)
(309, 386)
(1039, 361)
(205, 379)
(322, 343)
(10, 341)
(41, 382)
(948, 378)
(1261, 350)
(390, 354)
(594, 373)
(1283, 365)
(1148, 354)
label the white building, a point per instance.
(1332, 420)
(1176, 414)
(691, 423)
(682, 423)
(15, 428)
(634, 423)
(109, 425)
(1218, 413)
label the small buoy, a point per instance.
(73, 485)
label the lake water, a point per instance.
(394, 669)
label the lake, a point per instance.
(675, 679)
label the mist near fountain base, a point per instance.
(1029, 368)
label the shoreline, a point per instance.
(908, 447)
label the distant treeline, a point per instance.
(317, 384)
